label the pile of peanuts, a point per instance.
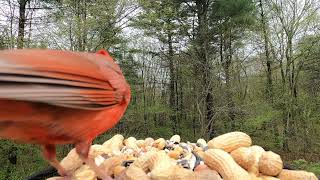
(229, 156)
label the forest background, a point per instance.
(198, 68)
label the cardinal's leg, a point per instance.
(82, 149)
(49, 153)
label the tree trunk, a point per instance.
(286, 124)
(22, 21)
(84, 25)
(78, 4)
(12, 10)
(172, 96)
(30, 28)
(144, 98)
(267, 54)
(205, 69)
(226, 60)
(178, 97)
(289, 111)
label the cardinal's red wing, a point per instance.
(62, 78)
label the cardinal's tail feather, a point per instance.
(29, 75)
(62, 78)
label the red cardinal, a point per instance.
(51, 97)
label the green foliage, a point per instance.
(29, 154)
(262, 115)
(29, 159)
(234, 13)
(307, 166)
(160, 18)
(89, 25)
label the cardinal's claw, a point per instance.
(82, 149)
(101, 173)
